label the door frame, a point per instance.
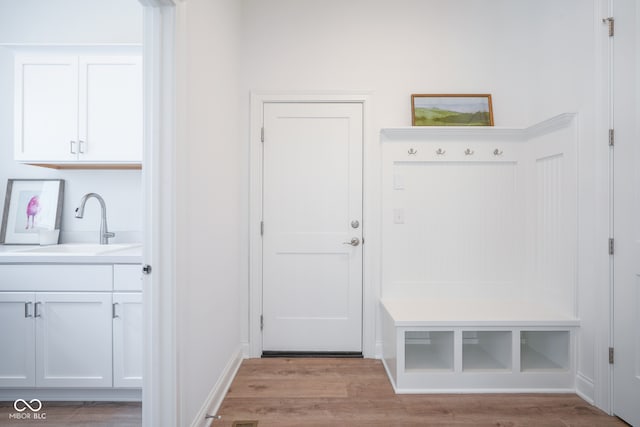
(163, 44)
(252, 342)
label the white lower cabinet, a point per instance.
(17, 335)
(127, 339)
(55, 337)
(62, 339)
(82, 322)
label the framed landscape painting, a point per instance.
(451, 110)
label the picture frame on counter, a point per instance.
(451, 110)
(31, 205)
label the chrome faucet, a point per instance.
(105, 234)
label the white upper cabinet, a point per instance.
(46, 108)
(78, 109)
(110, 110)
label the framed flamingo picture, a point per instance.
(31, 205)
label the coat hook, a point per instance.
(468, 152)
(440, 151)
(412, 151)
(497, 152)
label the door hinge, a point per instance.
(612, 138)
(611, 355)
(261, 322)
(611, 24)
(611, 245)
(262, 134)
(262, 228)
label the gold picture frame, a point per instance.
(451, 110)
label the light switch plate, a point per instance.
(398, 216)
(398, 182)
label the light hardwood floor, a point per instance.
(339, 392)
(77, 414)
(357, 392)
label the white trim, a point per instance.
(378, 351)
(486, 391)
(476, 132)
(160, 391)
(214, 400)
(371, 220)
(585, 388)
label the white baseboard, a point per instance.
(246, 350)
(378, 350)
(219, 390)
(585, 388)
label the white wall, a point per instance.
(208, 212)
(393, 48)
(71, 22)
(536, 57)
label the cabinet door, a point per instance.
(73, 339)
(17, 340)
(110, 109)
(46, 108)
(127, 339)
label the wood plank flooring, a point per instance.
(338, 392)
(77, 414)
(356, 392)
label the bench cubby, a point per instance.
(440, 346)
(486, 351)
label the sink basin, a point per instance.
(77, 249)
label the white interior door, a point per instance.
(312, 214)
(626, 259)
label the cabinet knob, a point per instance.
(146, 269)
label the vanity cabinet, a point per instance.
(72, 327)
(78, 109)
(55, 339)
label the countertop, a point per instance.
(117, 254)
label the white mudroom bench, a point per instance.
(436, 345)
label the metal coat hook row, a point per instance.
(440, 151)
(412, 151)
(468, 152)
(497, 152)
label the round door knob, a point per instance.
(354, 242)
